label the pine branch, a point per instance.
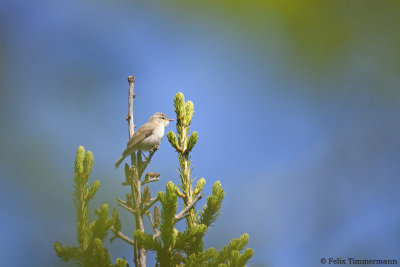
(151, 177)
(90, 251)
(212, 209)
(119, 234)
(232, 254)
(127, 208)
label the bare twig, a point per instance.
(152, 222)
(151, 175)
(183, 212)
(127, 208)
(139, 252)
(148, 213)
(129, 118)
(150, 180)
(122, 236)
(122, 201)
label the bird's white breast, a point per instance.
(153, 139)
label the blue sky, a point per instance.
(307, 154)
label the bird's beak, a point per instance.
(170, 119)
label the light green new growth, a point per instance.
(212, 209)
(90, 251)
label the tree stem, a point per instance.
(139, 252)
(129, 118)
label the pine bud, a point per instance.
(80, 155)
(217, 190)
(146, 195)
(192, 141)
(189, 110)
(157, 216)
(117, 222)
(59, 249)
(170, 191)
(88, 163)
(173, 140)
(160, 196)
(174, 236)
(178, 192)
(93, 189)
(103, 211)
(179, 104)
(199, 186)
(98, 246)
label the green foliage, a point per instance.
(93, 189)
(147, 241)
(185, 238)
(100, 227)
(199, 186)
(65, 253)
(179, 102)
(173, 140)
(169, 206)
(212, 209)
(192, 141)
(165, 243)
(90, 251)
(200, 258)
(117, 222)
(189, 110)
(231, 254)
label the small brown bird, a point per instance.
(147, 136)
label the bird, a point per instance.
(147, 136)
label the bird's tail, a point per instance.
(119, 161)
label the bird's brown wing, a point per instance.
(139, 136)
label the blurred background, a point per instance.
(296, 104)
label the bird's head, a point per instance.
(161, 118)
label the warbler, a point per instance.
(147, 136)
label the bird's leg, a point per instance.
(154, 149)
(147, 160)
